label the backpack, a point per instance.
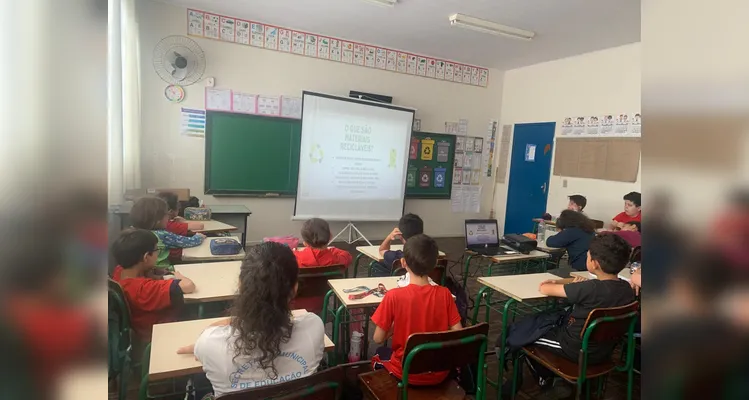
(461, 298)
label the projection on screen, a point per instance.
(353, 159)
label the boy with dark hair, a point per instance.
(577, 203)
(417, 308)
(607, 256)
(316, 253)
(151, 298)
(632, 212)
(409, 225)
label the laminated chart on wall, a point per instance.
(431, 159)
(606, 125)
(228, 100)
(252, 33)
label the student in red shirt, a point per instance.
(316, 253)
(416, 308)
(632, 201)
(177, 224)
(151, 298)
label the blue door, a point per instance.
(530, 168)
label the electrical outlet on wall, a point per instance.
(564, 183)
(210, 82)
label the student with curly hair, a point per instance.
(575, 233)
(261, 343)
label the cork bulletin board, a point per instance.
(611, 159)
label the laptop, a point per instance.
(482, 237)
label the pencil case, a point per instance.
(290, 241)
(198, 213)
(225, 247)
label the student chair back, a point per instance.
(438, 273)
(313, 285)
(324, 385)
(597, 224)
(119, 335)
(602, 325)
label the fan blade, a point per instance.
(179, 74)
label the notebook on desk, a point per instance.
(482, 237)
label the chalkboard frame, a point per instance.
(243, 192)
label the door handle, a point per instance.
(543, 188)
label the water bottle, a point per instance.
(354, 354)
(541, 232)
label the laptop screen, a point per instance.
(480, 233)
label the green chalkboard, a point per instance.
(430, 166)
(251, 155)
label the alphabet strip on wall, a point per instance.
(256, 34)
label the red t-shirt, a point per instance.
(309, 257)
(415, 309)
(623, 217)
(149, 301)
(56, 336)
(178, 228)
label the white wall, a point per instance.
(602, 82)
(171, 160)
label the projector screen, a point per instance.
(353, 159)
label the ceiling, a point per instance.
(563, 27)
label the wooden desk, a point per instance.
(216, 281)
(167, 338)
(625, 274)
(203, 253)
(234, 215)
(216, 226)
(338, 285)
(373, 253)
(501, 259)
(518, 288)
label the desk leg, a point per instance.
(244, 232)
(482, 291)
(465, 270)
(356, 264)
(369, 269)
(336, 332)
(501, 366)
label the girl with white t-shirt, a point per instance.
(261, 343)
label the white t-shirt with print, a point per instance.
(300, 356)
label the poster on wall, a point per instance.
(636, 125)
(592, 125)
(607, 124)
(567, 126)
(579, 126)
(622, 124)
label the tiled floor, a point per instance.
(453, 247)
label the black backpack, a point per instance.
(461, 298)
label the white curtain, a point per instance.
(124, 99)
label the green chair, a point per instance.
(603, 325)
(119, 334)
(313, 284)
(439, 351)
(327, 384)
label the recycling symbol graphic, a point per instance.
(439, 178)
(425, 178)
(427, 150)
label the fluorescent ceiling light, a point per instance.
(481, 25)
(389, 3)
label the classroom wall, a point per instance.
(171, 160)
(606, 81)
